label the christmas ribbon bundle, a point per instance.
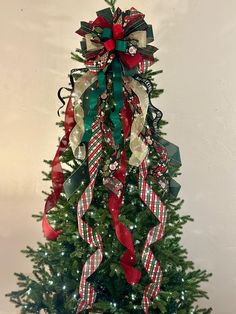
(117, 51)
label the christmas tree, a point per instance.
(115, 245)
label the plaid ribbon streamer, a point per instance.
(86, 291)
(144, 65)
(158, 209)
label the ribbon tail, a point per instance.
(57, 175)
(86, 290)
(154, 115)
(128, 259)
(159, 210)
(81, 86)
(118, 99)
(138, 148)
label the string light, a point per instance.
(28, 292)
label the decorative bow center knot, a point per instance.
(112, 37)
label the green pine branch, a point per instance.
(111, 3)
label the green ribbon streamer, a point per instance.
(72, 184)
(93, 95)
(118, 99)
(92, 106)
(174, 188)
(172, 152)
(76, 179)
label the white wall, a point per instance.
(197, 42)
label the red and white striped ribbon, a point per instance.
(159, 210)
(86, 291)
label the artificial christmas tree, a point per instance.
(115, 245)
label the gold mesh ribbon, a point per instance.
(137, 146)
(81, 85)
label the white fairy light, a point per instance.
(64, 287)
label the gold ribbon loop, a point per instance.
(140, 36)
(91, 46)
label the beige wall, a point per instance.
(197, 41)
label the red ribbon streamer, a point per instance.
(57, 174)
(128, 259)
